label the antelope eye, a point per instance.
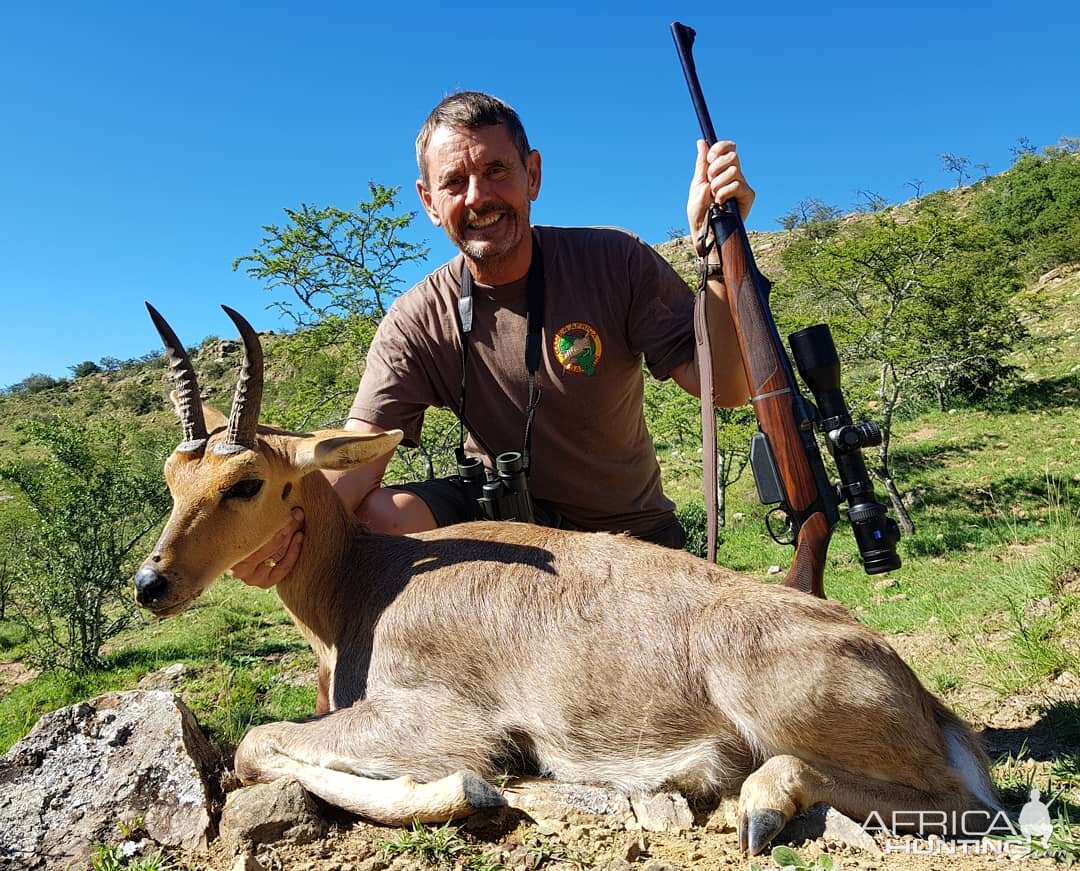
(245, 489)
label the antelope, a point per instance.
(591, 657)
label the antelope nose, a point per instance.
(150, 585)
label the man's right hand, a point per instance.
(275, 559)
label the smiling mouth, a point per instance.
(483, 222)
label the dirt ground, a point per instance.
(709, 845)
(12, 674)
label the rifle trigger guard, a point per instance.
(789, 533)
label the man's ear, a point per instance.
(340, 449)
(428, 202)
(214, 418)
(533, 167)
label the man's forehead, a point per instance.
(450, 145)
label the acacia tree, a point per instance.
(336, 262)
(926, 300)
(91, 500)
(340, 270)
(956, 163)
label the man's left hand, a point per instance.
(718, 177)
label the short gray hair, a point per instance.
(470, 109)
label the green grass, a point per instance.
(12, 635)
(244, 660)
(432, 845)
(790, 860)
(1015, 775)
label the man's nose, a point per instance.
(476, 191)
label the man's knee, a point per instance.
(395, 512)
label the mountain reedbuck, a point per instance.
(591, 657)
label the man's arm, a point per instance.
(393, 512)
(729, 377)
(354, 485)
(717, 177)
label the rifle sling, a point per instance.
(703, 353)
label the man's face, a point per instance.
(479, 191)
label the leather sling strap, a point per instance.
(703, 353)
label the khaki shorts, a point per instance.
(448, 502)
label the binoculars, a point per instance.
(503, 495)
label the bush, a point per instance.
(37, 383)
(140, 399)
(86, 367)
(90, 501)
(695, 521)
(1035, 206)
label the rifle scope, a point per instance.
(876, 534)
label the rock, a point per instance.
(84, 769)
(773, 570)
(548, 802)
(164, 678)
(246, 862)
(662, 812)
(726, 816)
(635, 848)
(373, 863)
(821, 821)
(270, 812)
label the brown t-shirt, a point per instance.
(609, 299)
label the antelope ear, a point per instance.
(214, 418)
(340, 449)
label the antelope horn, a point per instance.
(188, 400)
(244, 417)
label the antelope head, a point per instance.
(233, 482)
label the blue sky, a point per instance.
(143, 146)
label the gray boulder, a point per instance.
(84, 769)
(267, 813)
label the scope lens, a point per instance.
(876, 535)
(879, 562)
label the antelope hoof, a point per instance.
(757, 829)
(480, 794)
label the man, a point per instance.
(608, 299)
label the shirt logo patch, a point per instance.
(577, 346)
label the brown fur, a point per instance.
(593, 657)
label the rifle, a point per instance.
(784, 455)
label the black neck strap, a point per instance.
(533, 342)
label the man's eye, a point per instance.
(245, 489)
